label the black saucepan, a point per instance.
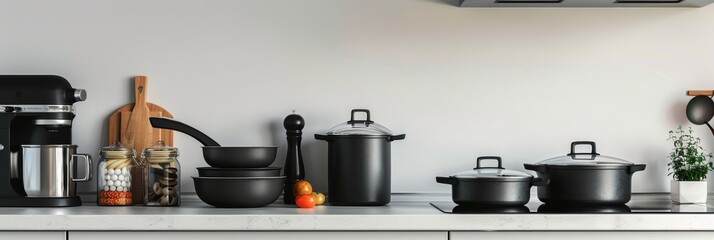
(490, 185)
(218, 156)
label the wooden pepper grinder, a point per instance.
(294, 169)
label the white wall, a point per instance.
(520, 83)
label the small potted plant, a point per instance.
(689, 166)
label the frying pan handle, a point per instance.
(397, 137)
(576, 143)
(447, 180)
(165, 123)
(636, 168)
(497, 158)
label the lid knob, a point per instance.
(366, 122)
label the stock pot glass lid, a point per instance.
(491, 173)
(584, 158)
(359, 127)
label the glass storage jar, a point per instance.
(114, 176)
(163, 175)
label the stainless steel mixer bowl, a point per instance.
(49, 170)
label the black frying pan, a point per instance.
(221, 157)
(700, 110)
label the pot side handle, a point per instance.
(636, 168)
(397, 137)
(322, 137)
(536, 167)
(539, 182)
(447, 180)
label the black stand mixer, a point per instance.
(37, 161)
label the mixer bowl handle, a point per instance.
(87, 168)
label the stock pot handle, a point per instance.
(636, 168)
(397, 137)
(497, 158)
(447, 180)
(87, 169)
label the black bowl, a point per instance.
(238, 172)
(239, 157)
(238, 192)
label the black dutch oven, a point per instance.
(585, 178)
(490, 185)
(359, 162)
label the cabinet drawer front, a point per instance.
(257, 235)
(581, 235)
(32, 235)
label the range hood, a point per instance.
(584, 3)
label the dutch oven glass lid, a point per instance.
(591, 158)
(485, 173)
(359, 127)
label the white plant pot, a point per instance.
(689, 191)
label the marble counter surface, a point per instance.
(407, 212)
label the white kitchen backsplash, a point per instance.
(519, 83)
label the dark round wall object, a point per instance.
(700, 110)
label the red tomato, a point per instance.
(306, 201)
(302, 187)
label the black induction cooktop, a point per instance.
(640, 203)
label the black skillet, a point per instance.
(700, 110)
(218, 156)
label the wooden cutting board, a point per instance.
(119, 120)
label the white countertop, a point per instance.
(407, 212)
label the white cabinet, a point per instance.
(32, 235)
(581, 235)
(257, 235)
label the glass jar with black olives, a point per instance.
(163, 180)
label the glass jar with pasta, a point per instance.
(163, 176)
(114, 176)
